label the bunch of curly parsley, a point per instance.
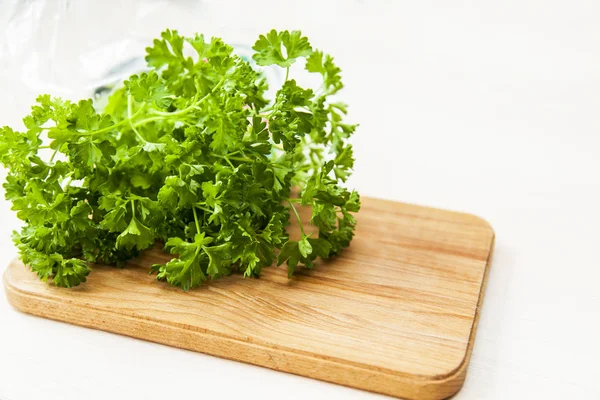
(190, 153)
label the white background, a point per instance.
(487, 107)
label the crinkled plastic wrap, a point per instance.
(73, 49)
(69, 48)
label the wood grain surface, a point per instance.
(395, 313)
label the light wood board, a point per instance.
(395, 313)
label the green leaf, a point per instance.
(186, 273)
(86, 153)
(218, 256)
(200, 45)
(289, 253)
(323, 64)
(149, 88)
(135, 235)
(296, 45)
(114, 221)
(63, 272)
(166, 51)
(269, 48)
(141, 181)
(70, 272)
(344, 162)
(304, 246)
(320, 247)
(178, 193)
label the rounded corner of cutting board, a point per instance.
(14, 295)
(484, 223)
(448, 384)
(472, 219)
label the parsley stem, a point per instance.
(287, 73)
(229, 162)
(241, 159)
(297, 217)
(196, 220)
(53, 155)
(218, 85)
(228, 158)
(133, 207)
(188, 108)
(204, 209)
(183, 110)
(144, 121)
(113, 126)
(129, 115)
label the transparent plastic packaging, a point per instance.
(69, 47)
(78, 49)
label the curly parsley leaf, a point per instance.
(270, 48)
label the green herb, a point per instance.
(190, 153)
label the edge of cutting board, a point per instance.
(297, 362)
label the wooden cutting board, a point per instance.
(395, 313)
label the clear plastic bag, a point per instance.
(73, 48)
(69, 48)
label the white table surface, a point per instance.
(486, 107)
